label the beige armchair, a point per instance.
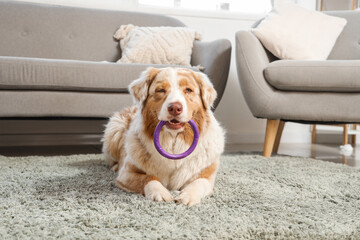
(301, 91)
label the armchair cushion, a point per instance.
(314, 76)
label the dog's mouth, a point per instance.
(174, 124)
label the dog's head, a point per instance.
(175, 95)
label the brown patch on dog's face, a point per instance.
(157, 93)
(192, 93)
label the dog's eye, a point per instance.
(161, 90)
(188, 90)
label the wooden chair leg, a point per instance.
(345, 135)
(353, 137)
(313, 134)
(278, 136)
(270, 135)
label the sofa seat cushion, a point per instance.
(17, 73)
(314, 76)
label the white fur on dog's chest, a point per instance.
(173, 174)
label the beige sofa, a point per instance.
(59, 62)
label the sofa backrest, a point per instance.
(50, 31)
(347, 45)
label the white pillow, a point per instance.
(292, 32)
(156, 45)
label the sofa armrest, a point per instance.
(251, 60)
(214, 57)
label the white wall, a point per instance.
(232, 112)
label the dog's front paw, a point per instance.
(155, 191)
(188, 198)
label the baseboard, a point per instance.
(49, 139)
(51, 132)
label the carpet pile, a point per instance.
(75, 197)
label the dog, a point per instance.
(175, 95)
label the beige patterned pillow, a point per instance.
(156, 45)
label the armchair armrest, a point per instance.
(214, 57)
(251, 60)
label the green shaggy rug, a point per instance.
(74, 197)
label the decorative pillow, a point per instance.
(156, 45)
(292, 32)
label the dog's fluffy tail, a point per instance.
(114, 137)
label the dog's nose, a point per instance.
(175, 108)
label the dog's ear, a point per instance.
(139, 88)
(207, 91)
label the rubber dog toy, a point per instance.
(175, 156)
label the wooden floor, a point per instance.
(318, 151)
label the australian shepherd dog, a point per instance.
(175, 95)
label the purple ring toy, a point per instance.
(175, 156)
